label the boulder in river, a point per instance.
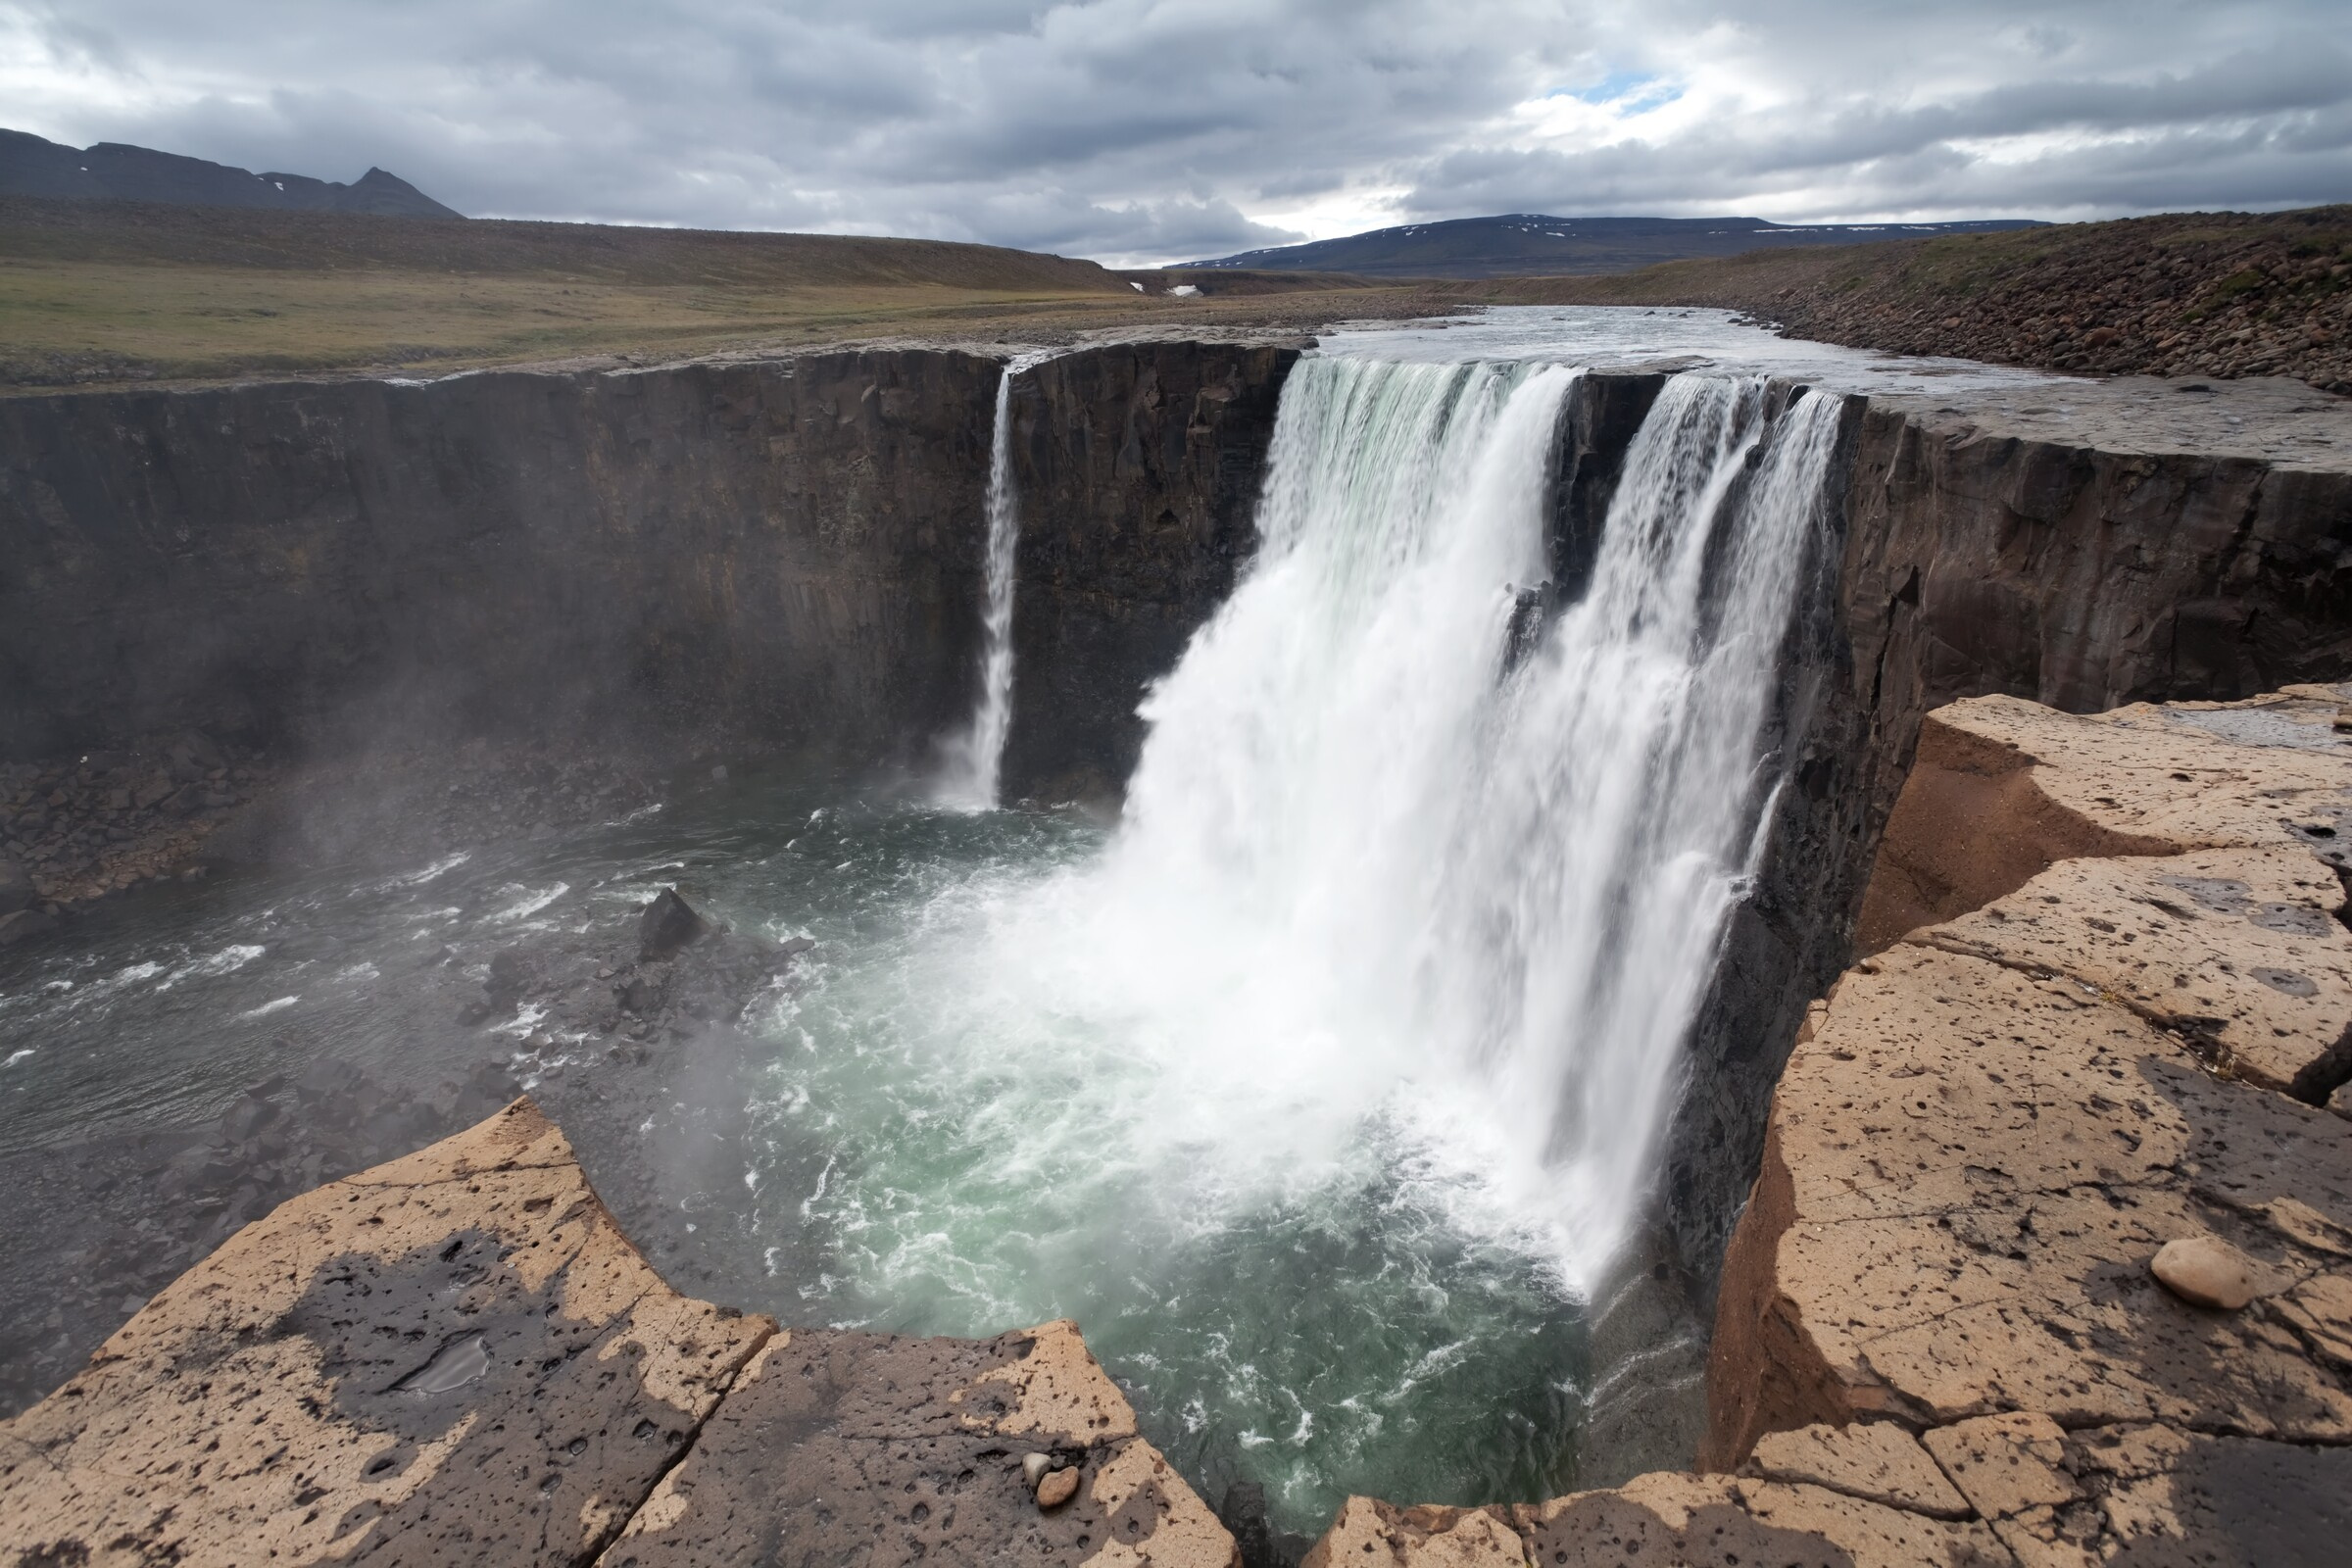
(670, 923)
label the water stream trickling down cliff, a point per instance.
(973, 760)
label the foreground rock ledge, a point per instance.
(2110, 1008)
(459, 1357)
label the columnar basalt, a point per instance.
(1138, 468)
(784, 553)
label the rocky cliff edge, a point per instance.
(459, 1357)
(2050, 1259)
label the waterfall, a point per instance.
(975, 756)
(1479, 888)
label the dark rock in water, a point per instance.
(1243, 1513)
(642, 996)
(24, 923)
(251, 1113)
(16, 891)
(509, 974)
(670, 923)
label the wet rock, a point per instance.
(24, 924)
(2207, 1271)
(641, 995)
(668, 925)
(16, 891)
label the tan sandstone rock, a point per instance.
(455, 1357)
(2002, 788)
(1057, 1489)
(1877, 1460)
(2207, 1271)
(2109, 960)
(844, 1443)
(2238, 949)
(1966, 1173)
(1985, 1132)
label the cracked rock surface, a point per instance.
(459, 1357)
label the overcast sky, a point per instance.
(1145, 131)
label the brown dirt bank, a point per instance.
(2185, 294)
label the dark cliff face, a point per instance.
(1139, 467)
(783, 554)
(785, 551)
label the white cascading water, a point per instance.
(1315, 1087)
(1398, 876)
(974, 759)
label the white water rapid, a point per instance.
(975, 758)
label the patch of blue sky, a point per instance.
(1630, 92)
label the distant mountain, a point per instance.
(1530, 245)
(114, 171)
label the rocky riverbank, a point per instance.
(2185, 294)
(2110, 1016)
(77, 828)
(619, 1028)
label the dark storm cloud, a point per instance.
(1167, 129)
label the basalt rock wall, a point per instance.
(1138, 468)
(787, 549)
(778, 554)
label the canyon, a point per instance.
(784, 558)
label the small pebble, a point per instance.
(2205, 1271)
(1034, 1467)
(1057, 1489)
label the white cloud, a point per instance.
(1154, 130)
